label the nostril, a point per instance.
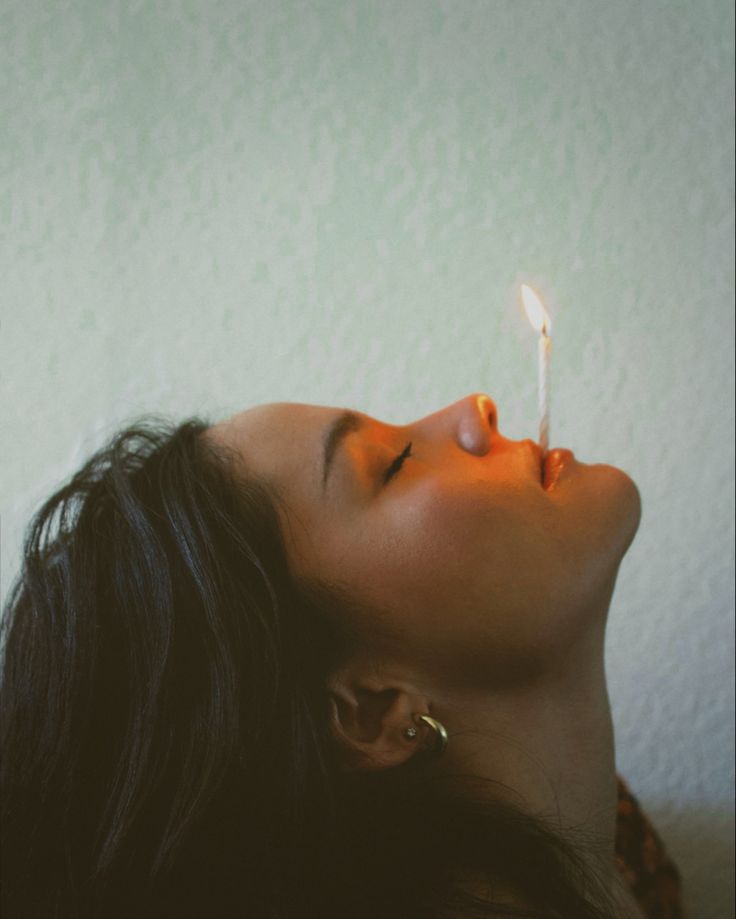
(491, 412)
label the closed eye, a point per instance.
(397, 464)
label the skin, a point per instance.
(490, 596)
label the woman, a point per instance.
(302, 663)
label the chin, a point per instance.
(607, 511)
(623, 503)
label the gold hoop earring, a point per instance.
(441, 734)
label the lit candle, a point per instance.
(537, 315)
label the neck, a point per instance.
(550, 746)
(552, 751)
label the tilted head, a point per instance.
(181, 656)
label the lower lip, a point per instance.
(554, 464)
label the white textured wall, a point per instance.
(207, 205)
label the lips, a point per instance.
(550, 464)
(554, 462)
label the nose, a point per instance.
(476, 420)
(471, 423)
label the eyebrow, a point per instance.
(345, 423)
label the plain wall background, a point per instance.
(208, 205)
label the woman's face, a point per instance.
(472, 567)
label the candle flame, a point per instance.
(535, 312)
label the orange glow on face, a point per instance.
(535, 312)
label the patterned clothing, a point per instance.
(648, 871)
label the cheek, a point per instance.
(445, 542)
(459, 570)
(485, 579)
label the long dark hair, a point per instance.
(165, 743)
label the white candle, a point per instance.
(537, 315)
(545, 349)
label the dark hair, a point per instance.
(166, 749)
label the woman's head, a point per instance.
(470, 570)
(168, 650)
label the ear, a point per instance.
(368, 718)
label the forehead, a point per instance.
(281, 441)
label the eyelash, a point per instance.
(397, 463)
